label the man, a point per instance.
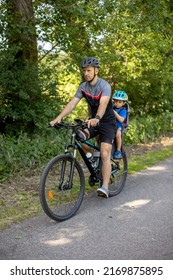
(97, 93)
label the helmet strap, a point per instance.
(93, 77)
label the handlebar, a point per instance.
(79, 124)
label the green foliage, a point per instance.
(26, 154)
(132, 39)
(20, 97)
(145, 129)
(140, 55)
(19, 86)
(60, 78)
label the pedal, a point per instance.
(91, 181)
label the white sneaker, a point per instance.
(103, 192)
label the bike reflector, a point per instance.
(50, 194)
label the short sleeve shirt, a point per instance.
(93, 93)
(123, 113)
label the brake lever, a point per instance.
(79, 121)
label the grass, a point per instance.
(137, 163)
(18, 199)
(19, 196)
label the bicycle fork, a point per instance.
(68, 183)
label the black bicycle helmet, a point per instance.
(90, 61)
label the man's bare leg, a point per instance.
(105, 150)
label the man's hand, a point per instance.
(92, 122)
(57, 120)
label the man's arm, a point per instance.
(67, 110)
(104, 100)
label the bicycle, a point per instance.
(62, 183)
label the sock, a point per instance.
(105, 187)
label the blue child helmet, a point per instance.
(120, 95)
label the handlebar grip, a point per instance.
(58, 125)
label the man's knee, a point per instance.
(83, 134)
(106, 149)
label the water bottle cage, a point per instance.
(94, 160)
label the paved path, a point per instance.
(136, 224)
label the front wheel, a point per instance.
(118, 175)
(62, 187)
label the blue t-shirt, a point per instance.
(123, 113)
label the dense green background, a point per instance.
(133, 41)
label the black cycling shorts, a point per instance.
(105, 130)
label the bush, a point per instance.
(145, 129)
(23, 153)
(26, 154)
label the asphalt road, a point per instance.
(136, 224)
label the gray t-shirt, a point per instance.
(93, 93)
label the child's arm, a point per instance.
(118, 117)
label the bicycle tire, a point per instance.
(59, 200)
(118, 175)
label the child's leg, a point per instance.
(118, 154)
(118, 139)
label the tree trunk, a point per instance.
(23, 38)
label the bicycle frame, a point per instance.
(83, 155)
(77, 145)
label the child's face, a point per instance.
(118, 103)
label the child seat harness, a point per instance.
(126, 121)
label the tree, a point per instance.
(21, 30)
(139, 53)
(132, 38)
(19, 86)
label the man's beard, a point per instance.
(89, 80)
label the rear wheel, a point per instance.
(118, 175)
(62, 187)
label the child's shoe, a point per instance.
(117, 155)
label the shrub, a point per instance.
(145, 129)
(30, 154)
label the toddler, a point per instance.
(119, 100)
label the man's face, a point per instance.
(89, 73)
